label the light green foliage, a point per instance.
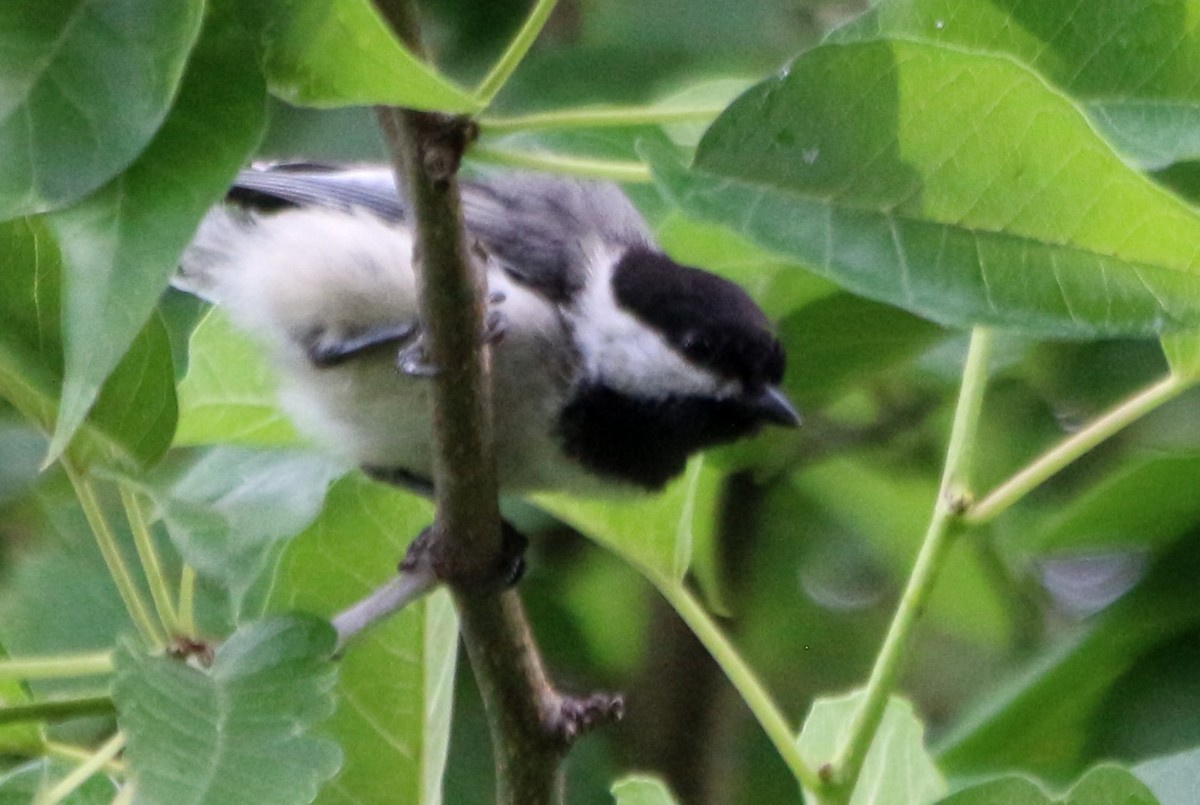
(898, 768)
(239, 731)
(930, 166)
(395, 685)
(641, 791)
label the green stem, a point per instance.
(160, 591)
(743, 679)
(618, 171)
(952, 498)
(609, 117)
(111, 551)
(100, 662)
(77, 754)
(1000, 499)
(517, 48)
(57, 709)
(187, 601)
(80, 774)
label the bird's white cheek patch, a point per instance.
(626, 353)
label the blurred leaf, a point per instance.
(23, 784)
(656, 533)
(22, 738)
(1182, 351)
(1144, 503)
(830, 355)
(1040, 718)
(31, 357)
(228, 395)
(637, 790)
(136, 405)
(1134, 64)
(897, 768)
(833, 164)
(86, 84)
(340, 53)
(1174, 779)
(230, 512)
(889, 510)
(1106, 784)
(121, 245)
(239, 731)
(396, 682)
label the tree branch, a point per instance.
(532, 725)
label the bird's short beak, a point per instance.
(773, 406)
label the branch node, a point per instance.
(572, 716)
(443, 140)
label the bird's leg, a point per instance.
(418, 575)
(326, 352)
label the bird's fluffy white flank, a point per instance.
(286, 276)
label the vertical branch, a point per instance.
(531, 724)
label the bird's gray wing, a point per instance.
(537, 226)
(309, 184)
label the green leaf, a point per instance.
(340, 53)
(1172, 778)
(396, 682)
(1106, 784)
(121, 245)
(86, 84)
(21, 738)
(1039, 719)
(1018, 215)
(230, 512)
(1134, 64)
(23, 784)
(134, 416)
(1143, 504)
(228, 395)
(638, 790)
(239, 731)
(656, 534)
(1182, 351)
(897, 768)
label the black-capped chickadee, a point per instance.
(616, 363)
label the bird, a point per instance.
(612, 363)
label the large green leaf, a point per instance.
(239, 731)
(340, 53)
(85, 85)
(1016, 215)
(396, 682)
(897, 768)
(1133, 64)
(121, 245)
(228, 394)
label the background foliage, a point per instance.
(881, 180)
